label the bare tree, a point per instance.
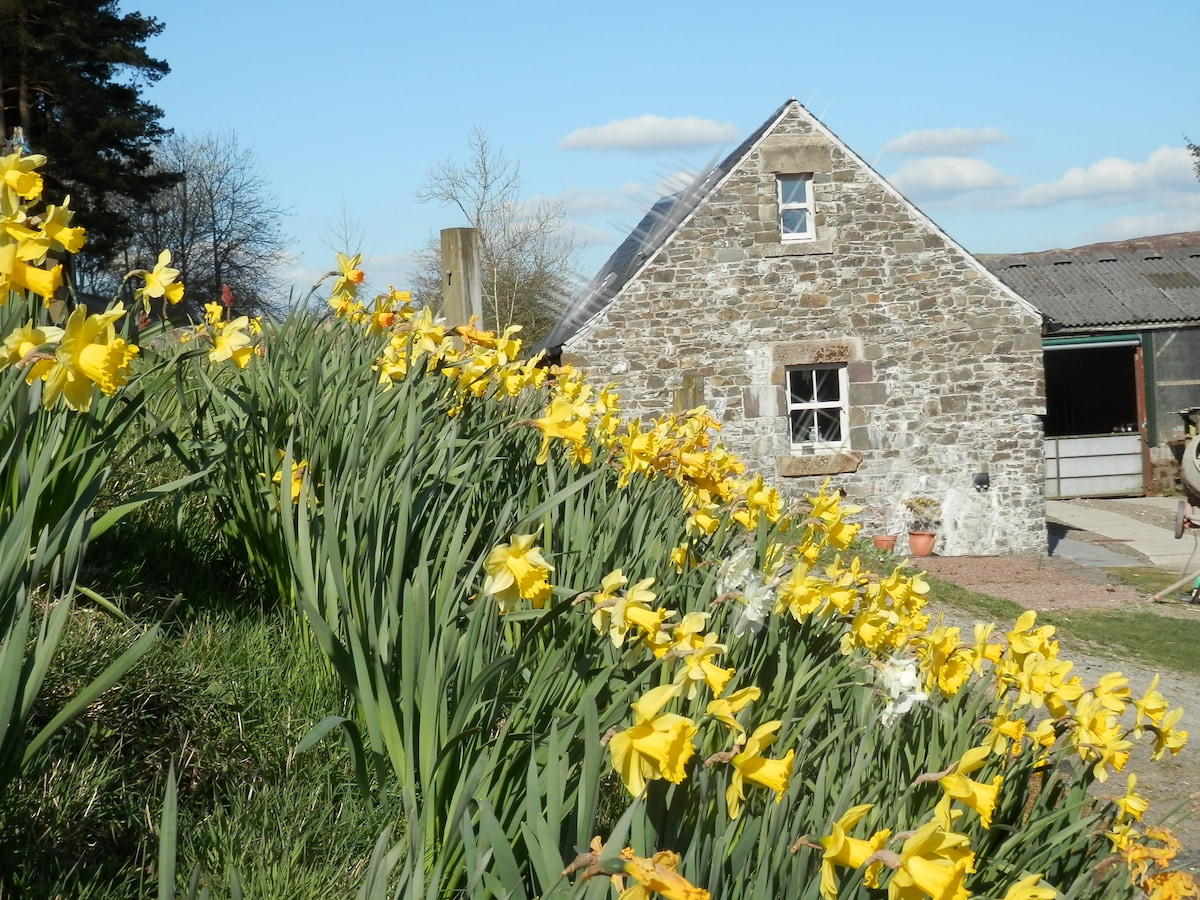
(527, 256)
(220, 221)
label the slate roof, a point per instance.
(656, 227)
(1143, 282)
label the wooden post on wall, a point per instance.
(462, 295)
(690, 394)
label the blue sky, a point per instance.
(1015, 126)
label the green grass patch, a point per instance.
(1148, 580)
(986, 607)
(1154, 640)
(1158, 641)
(226, 697)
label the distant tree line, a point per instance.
(72, 73)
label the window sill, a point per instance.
(801, 466)
(798, 248)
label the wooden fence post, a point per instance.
(462, 296)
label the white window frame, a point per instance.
(841, 404)
(810, 232)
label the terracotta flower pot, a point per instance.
(920, 543)
(884, 541)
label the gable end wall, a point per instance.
(945, 367)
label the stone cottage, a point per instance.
(836, 332)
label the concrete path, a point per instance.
(1158, 544)
(1085, 553)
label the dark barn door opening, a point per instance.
(1091, 390)
(1095, 414)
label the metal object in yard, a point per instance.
(1189, 476)
(1185, 513)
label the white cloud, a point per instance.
(651, 132)
(595, 202)
(1166, 169)
(630, 199)
(940, 177)
(946, 141)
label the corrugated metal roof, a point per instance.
(1145, 281)
(656, 227)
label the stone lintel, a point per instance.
(811, 353)
(795, 155)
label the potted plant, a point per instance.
(925, 517)
(884, 541)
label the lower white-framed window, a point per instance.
(818, 406)
(796, 208)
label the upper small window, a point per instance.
(796, 208)
(818, 407)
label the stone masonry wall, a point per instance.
(945, 367)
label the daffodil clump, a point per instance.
(229, 339)
(540, 604)
(86, 352)
(1038, 708)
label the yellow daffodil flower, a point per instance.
(517, 571)
(161, 282)
(751, 765)
(1098, 737)
(1167, 736)
(1030, 888)
(1112, 692)
(22, 344)
(933, 862)
(566, 420)
(1132, 804)
(1150, 707)
(1155, 846)
(349, 276)
(619, 613)
(659, 745)
(724, 709)
(18, 180)
(842, 850)
(976, 795)
(697, 668)
(89, 354)
(56, 225)
(295, 478)
(658, 875)
(214, 314)
(1170, 886)
(233, 343)
(19, 276)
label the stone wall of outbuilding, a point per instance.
(944, 364)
